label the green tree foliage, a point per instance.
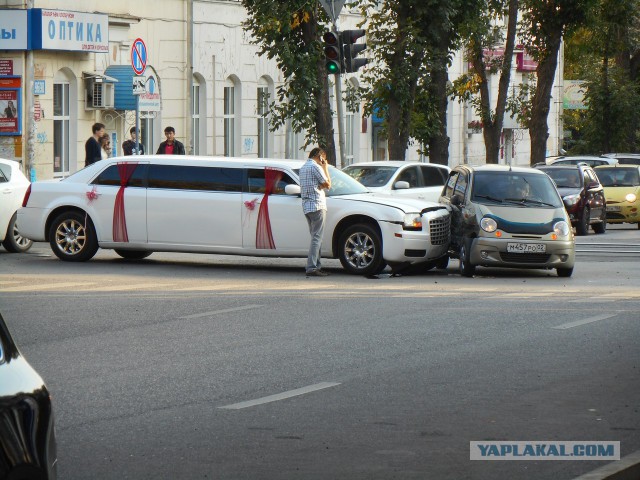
(291, 33)
(606, 53)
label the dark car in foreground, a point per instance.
(582, 194)
(27, 437)
(507, 217)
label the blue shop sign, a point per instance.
(69, 31)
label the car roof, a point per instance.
(616, 155)
(499, 168)
(393, 163)
(565, 166)
(624, 166)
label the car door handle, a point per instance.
(7, 191)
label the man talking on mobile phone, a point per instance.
(314, 180)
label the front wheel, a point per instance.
(13, 241)
(582, 228)
(467, 269)
(602, 226)
(72, 237)
(133, 254)
(360, 250)
(565, 272)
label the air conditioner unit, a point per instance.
(99, 94)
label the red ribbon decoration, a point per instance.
(125, 170)
(264, 236)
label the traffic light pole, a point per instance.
(339, 108)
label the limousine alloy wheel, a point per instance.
(361, 250)
(72, 237)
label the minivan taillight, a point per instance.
(27, 194)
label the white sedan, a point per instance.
(423, 181)
(227, 206)
(13, 185)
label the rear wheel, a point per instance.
(72, 237)
(442, 263)
(467, 269)
(565, 272)
(360, 250)
(13, 241)
(133, 254)
(582, 228)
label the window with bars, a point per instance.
(229, 121)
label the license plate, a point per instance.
(526, 248)
(613, 209)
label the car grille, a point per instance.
(525, 257)
(615, 216)
(440, 230)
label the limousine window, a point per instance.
(110, 176)
(255, 177)
(182, 177)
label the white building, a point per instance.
(206, 80)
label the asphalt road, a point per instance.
(204, 366)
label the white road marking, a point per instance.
(281, 396)
(579, 323)
(37, 288)
(218, 312)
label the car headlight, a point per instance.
(561, 228)
(488, 224)
(412, 221)
(631, 197)
(571, 200)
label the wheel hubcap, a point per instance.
(359, 250)
(21, 241)
(70, 237)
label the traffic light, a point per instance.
(333, 52)
(352, 49)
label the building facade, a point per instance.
(68, 65)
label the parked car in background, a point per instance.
(590, 160)
(13, 185)
(622, 191)
(625, 158)
(423, 181)
(507, 217)
(27, 435)
(582, 194)
(230, 206)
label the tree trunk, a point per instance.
(538, 127)
(323, 116)
(439, 143)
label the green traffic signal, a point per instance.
(333, 52)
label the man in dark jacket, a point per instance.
(92, 148)
(171, 146)
(129, 146)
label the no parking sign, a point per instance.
(139, 56)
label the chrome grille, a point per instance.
(440, 230)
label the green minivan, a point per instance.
(512, 217)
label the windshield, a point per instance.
(565, 177)
(524, 189)
(371, 176)
(343, 184)
(618, 177)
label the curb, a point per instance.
(627, 468)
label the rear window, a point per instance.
(618, 177)
(181, 177)
(110, 176)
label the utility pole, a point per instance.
(339, 108)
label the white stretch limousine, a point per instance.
(145, 204)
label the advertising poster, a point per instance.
(10, 112)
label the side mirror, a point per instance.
(456, 200)
(401, 185)
(593, 185)
(292, 189)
